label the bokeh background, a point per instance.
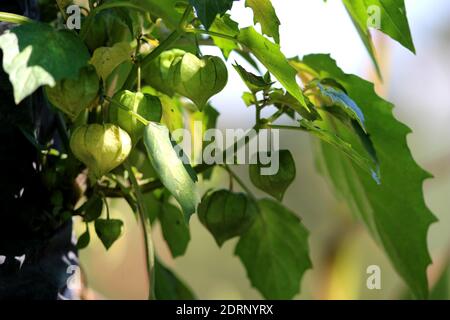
(341, 249)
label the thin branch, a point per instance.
(211, 34)
(239, 181)
(146, 230)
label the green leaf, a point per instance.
(366, 38)
(225, 25)
(395, 211)
(392, 19)
(277, 184)
(344, 102)
(172, 114)
(175, 229)
(108, 230)
(280, 99)
(275, 251)
(93, 208)
(264, 13)
(174, 174)
(106, 59)
(168, 286)
(252, 81)
(329, 137)
(226, 214)
(153, 205)
(248, 99)
(272, 58)
(208, 118)
(156, 74)
(207, 10)
(441, 289)
(35, 54)
(166, 10)
(83, 240)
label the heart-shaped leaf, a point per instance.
(275, 251)
(108, 230)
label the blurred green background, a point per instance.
(341, 249)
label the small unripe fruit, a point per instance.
(226, 214)
(72, 96)
(147, 106)
(157, 73)
(100, 147)
(198, 79)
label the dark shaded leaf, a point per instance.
(226, 214)
(277, 184)
(275, 251)
(108, 230)
(175, 229)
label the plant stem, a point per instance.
(275, 116)
(130, 112)
(14, 18)
(157, 184)
(118, 4)
(281, 127)
(107, 208)
(131, 80)
(211, 33)
(146, 230)
(139, 78)
(62, 130)
(163, 46)
(138, 63)
(239, 181)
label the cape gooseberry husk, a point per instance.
(226, 214)
(198, 79)
(106, 30)
(72, 96)
(100, 147)
(147, 106)
(157, 73)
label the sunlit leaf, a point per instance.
(106, 59)
(176, 176)
(272, 58)
(264, 13)
(395, 211)
(36, 54)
